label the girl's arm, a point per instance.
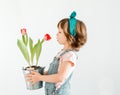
(64, 69)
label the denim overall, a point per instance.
(50, 88)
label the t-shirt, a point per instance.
(71, 57)
(68, 56)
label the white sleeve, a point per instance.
(69, 56)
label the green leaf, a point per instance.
(31, 48)
(23, 38)
(34, 50)
(26, 39)
(24, 50)
(38, 51)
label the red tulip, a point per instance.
(47, 37)
(23, 31)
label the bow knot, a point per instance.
(72, 22)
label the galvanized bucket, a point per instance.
(29, 85)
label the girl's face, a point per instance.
(61, 38)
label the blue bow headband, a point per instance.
(72, 23)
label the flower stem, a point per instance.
(42, 41)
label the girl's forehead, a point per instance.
(59, 27)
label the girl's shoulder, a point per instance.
(69, 53)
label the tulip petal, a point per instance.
(47, 37)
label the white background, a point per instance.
(98, 68)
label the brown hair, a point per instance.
(81, 36)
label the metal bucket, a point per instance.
(37, 85)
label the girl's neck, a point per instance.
(67, 48)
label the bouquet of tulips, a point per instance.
(29, 49)
(31, 53)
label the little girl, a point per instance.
(72, 35)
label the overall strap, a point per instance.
(54, 93)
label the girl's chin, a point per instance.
(59, 42)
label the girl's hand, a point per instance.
(33, 77)
(58, 85)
